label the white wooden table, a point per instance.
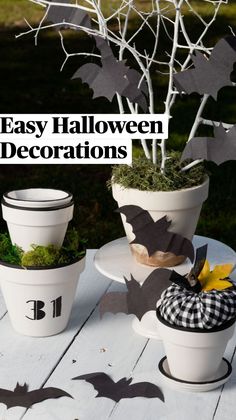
(110, 345)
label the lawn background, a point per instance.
(31, 82)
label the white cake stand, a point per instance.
(115, 261)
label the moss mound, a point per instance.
(43, 256)
(144, 175)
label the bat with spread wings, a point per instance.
(20, 396)
(155, 235)
(210, 74)
(72, 16)
(113, 77)
(116, 391)
(139, 299)
(218, 149)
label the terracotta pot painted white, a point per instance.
(194, 355)
(40, 226)
(182, 207)
(39, 300)
(38, 197)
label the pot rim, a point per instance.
(195, 187)
(35, 209)
(44, 267)
(221, 327)
(160, 367)
(69, 194)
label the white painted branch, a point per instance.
(154, 151)
(46, 3)
(215, 123)
(145, 149)
(170, 18)
(178, 6)
(198, 116)
(191, 165)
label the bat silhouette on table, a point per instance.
(24, 398)
(219, 149)
(70, 15)
(116, 391)
(141, 298)
(138, 299)
(113, 77)
(210, 74)
(154, 236)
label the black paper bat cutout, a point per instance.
(116, 391)
(139, 299)
(155, 235)
(112, 77)
(209, 75)
(24, 398)
(70, 15)
(218, 149)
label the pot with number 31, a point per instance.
(39, 299)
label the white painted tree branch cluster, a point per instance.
(167, 15)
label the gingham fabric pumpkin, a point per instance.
(185, 308)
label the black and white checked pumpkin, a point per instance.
(184, 308)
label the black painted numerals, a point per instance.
(38, 305)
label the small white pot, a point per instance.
(39, 300)
(182, 207)
(40, 226)
(37, 197)
(194, 355)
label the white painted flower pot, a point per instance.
(39, 300)
(40, 226)
(182, 207)
(38, 197)
(194, 355)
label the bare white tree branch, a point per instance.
(167, 16)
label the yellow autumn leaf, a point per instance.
(205, 272)
(215, 279)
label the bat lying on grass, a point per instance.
(24, 398)
(116, 391)
(155, 235)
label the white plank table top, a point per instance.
(109, 345)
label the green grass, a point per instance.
(31, 82)
(13, 13)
